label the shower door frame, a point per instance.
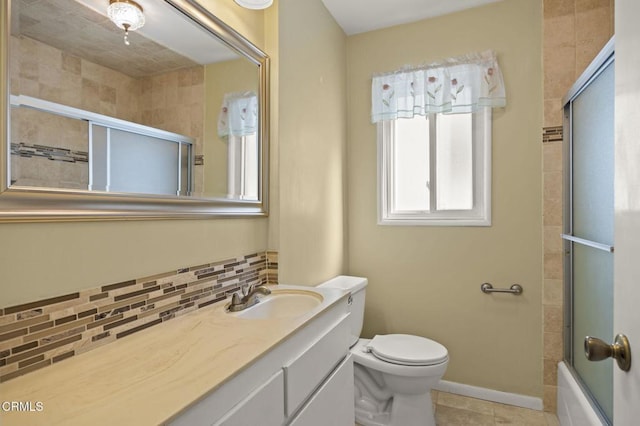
(605, 58)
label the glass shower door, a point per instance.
(589, 219)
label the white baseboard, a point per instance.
(523, 401)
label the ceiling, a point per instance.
(358, 16)
(167, 42)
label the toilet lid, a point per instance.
(405, 349)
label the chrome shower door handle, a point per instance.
(597, 350)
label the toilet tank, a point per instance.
(356, 285)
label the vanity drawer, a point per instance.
(332, 404)
(263, 406)
(304, 373)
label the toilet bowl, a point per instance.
(393, 373)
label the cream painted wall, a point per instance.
(48, 259)
(312, 144)
(250, 23)
(426, 280)
(238, 75)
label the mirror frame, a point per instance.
(31, 204)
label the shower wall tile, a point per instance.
(552, 292)
(173, 101)
(41, 333)
(550, 373)
(559, 58)
(552, 318)
(554, 8)
(552, 112)
(550, 398)
(552, 152)
(553, 266)
(552, 185)
(552, 240)
(44, 72)
(574, 32)
(553, 345)
(593, 30)
(552, 211)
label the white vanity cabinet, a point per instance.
(305, 380)
(332, 403)
(308, 369)
(258, 407)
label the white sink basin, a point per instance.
(282, 304)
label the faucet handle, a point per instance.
(235, 299)
(249, 290)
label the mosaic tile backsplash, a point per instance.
(41, 333)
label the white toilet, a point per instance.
(394, 373)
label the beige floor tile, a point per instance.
(457, 410)
(447, 416)
(465, 403)
(552, 419)
(510, 415)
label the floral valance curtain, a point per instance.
(457, 85)
(238, 115)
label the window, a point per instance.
(238, 123)
(243, 169)
(434, 140)
(435, 170)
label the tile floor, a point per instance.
(456, 410)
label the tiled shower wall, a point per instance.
(574, 32)
(172, 101)
(43, 332)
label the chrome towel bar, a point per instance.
(515, 289)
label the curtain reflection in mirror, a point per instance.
(238, 124)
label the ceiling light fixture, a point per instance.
(126, 14)
(255, 4)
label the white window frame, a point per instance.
(243, 170)
(480, 215)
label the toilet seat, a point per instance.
(404, 349)
(363, 356)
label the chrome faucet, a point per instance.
(246, 297)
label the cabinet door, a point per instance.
(304, 373)
(332, 404)
(264, 406)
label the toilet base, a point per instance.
(412, 410)
(365, 418)
(404, 410)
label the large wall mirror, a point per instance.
(166, 120)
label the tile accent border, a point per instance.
(552, 134)
(49, 152)
(41, 333)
